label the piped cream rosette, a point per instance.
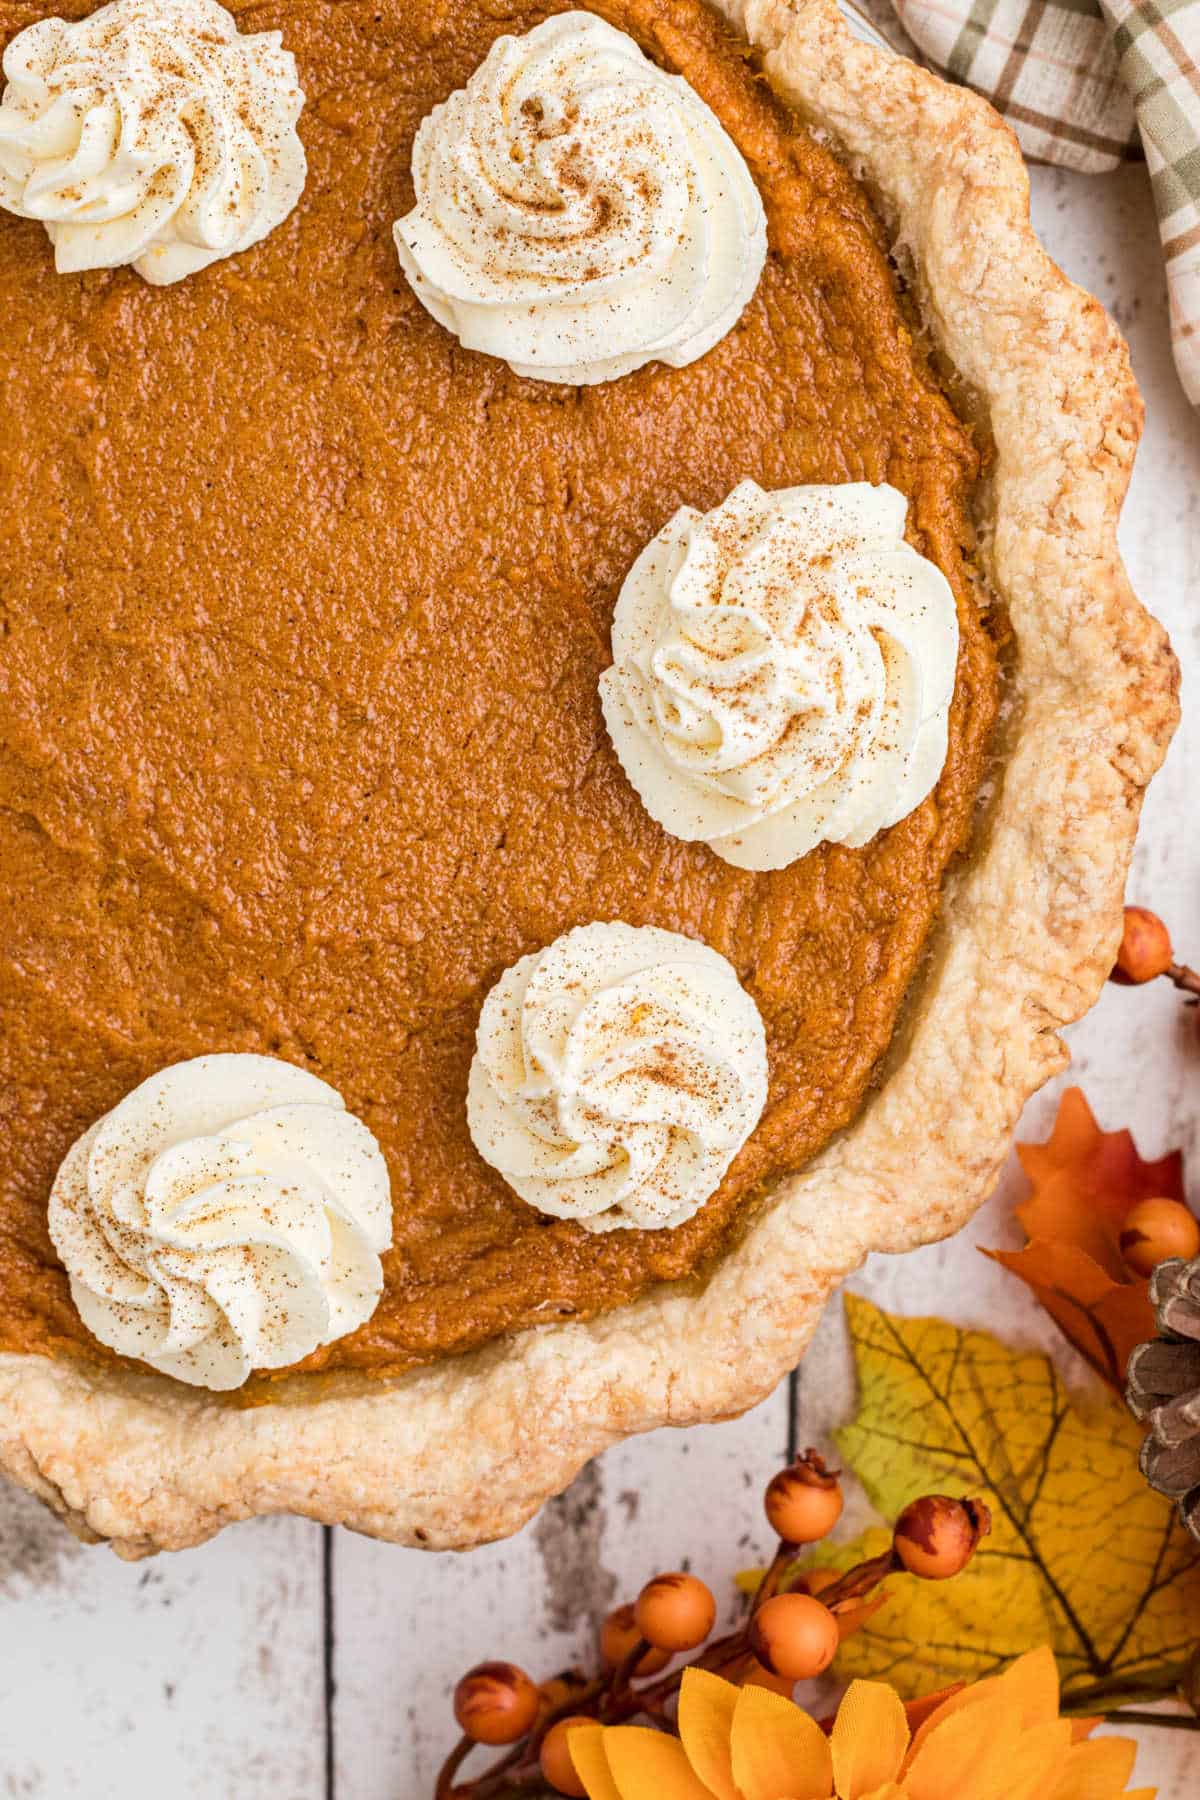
(151, 132)
(228, 1215)
(618, 1073)
(578, 211)
(782, 673)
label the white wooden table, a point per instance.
(283, 1662)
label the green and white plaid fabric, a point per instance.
(1086, 83)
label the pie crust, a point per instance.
(466, 1449)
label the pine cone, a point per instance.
(1164, 1388)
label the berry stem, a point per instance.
(862, 1580)
(1152, 1684)
(768, 1587)
(1185, 979)
(1132, 1715)
(623, 1674)
(499, 1781)
(445, 1781)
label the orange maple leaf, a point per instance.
(1085, 1181)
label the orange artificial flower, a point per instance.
(1000, 1739)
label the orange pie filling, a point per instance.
(305, 609)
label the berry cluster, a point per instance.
(791, 1633)
(1157, 1227)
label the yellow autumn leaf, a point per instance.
(1082, 1556)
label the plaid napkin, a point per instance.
(1086, 83)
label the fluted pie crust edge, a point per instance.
(467, 1449)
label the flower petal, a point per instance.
(1034, 1679)
(1026, 1767)
(869, 1739)
(947, 1761)
(960, 1699)
(779, 1752)
(973, 1758)
(706, 1708)
(1096, 1771)
(1013, 1746)
(586, 1744)
(649, 1765)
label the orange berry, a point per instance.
(935, 1537)
(496, 1703)
(1145, 948)
(618, 1635)
(555, 1757)
(755, 1675)
(675, 1612)
(804, 1502)
(794, 1635)
(1155, 1229)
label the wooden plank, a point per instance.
(197, 1676)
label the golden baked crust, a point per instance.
(465, 1450)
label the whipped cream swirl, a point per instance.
(618, 1073)
(783, 668)
(150, 133)
(579, 212)
(227, 1215)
